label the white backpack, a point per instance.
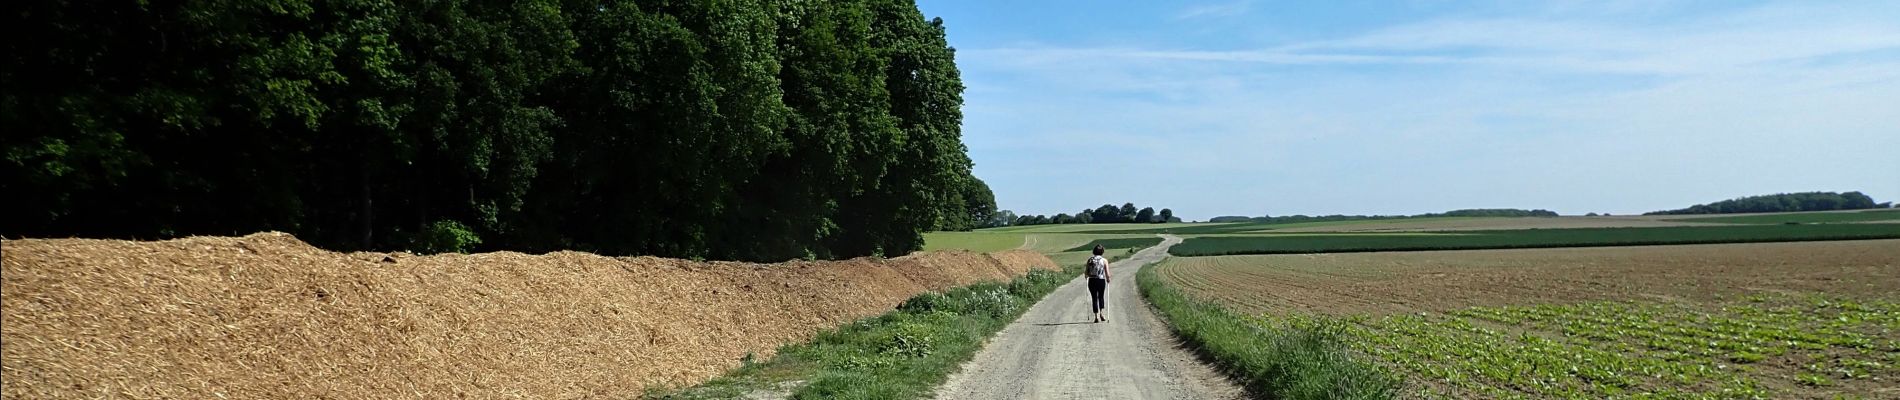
(1097, 267)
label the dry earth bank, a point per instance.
(267, 316)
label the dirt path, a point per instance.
(1053, 351)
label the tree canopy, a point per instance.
(1107, 213)
(1782, 202)
(747, 129)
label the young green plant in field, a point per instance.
(1642, 350)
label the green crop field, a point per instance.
(1645, 350)
(1117, 243)
(1804, 218)
(1529, 238)
(972, 241)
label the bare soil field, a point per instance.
(1498, 223)
(267, 316)
(1399, 282)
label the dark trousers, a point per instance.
(1098, 288)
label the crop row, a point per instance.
(1641, 350)
(1528, 238)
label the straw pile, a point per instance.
(267, 316)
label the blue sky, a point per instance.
(1403, 107)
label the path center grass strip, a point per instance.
(1529, 238)
(1299, 358)
(904, 354)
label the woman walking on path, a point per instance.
(1097, 272)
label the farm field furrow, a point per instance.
(1530, 238)
(1804, 218)
(1475, 224)
(1775, 320)
(1402, 282)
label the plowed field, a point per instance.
(1395, 282)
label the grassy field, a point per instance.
(1067, 249)
(1118, 243)
(1529, 238)
(1772, 320)
(1090, 228)
(1805, 218)
(979, 241)
(1046, 243)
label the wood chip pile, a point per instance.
(268, 316)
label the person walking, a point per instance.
(1098, 275)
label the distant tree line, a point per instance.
(1107, 213)
(1782, 202)
(1475, 212)
(741, 129)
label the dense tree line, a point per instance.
(1783, 202)
(743, 129)
(1107, 213)
(1474, 212)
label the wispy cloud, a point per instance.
(1226, 9)
(1577, 114)
(1554, 45)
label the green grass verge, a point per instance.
(1804, 218)
(904, 354)
(1530, 238)
(1118, 243)
(1283, 358)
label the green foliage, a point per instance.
(1783, 202)
(1107, 213)
(749, 129)
(1634, 349)
(1279, 358)
(972, 241)
(1527, 238)
(445, 237)
(904, 354)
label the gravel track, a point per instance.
(1054, 352)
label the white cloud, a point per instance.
(1577, 115)
(1227, 9)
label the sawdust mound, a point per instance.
(268, 316)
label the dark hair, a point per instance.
(1099, 250)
